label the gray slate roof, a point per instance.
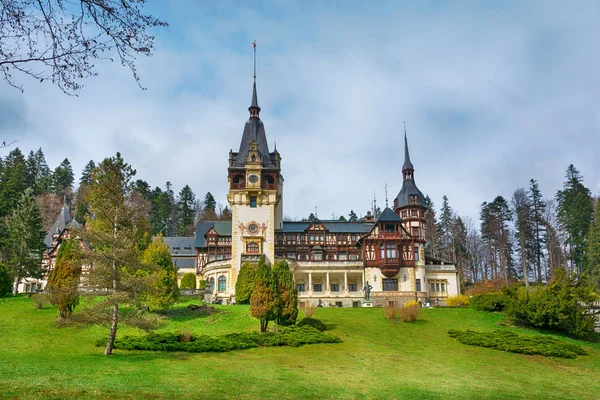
(185, 263)
(62, 222)
(389, 216)
(332, 226)
(409, 188)
(407, 163)
(181, 245)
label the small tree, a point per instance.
(5, 281)
(286, 294)
(263, 301)
(188, 281)
(164, 291)
(64, 279)
(593, 252)
(244, 284)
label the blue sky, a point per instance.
(493, 94)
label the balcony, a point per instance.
(330, 294)
(268, 186)
(238, 185)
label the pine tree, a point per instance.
(64, 279)
(209, 202)
(5, 281)
(63, 178)
(25, 243)
(286, 294)
(263, 304)
(460, 247)
(538, 208)
(164, 291)
(342, 218)
(575, 212)
(38, 174)
(244, 284)
(432, 232)
(311, 217)
(13, 182)
(446, 229)
(352, 217)
(186, 211)
(593, 253)
(86, 174)
(113, 233)
(524, 224)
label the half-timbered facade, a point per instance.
(334, 263)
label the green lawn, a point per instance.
(378, 359)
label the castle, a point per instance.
(373, 261)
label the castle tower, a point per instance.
(255, 194)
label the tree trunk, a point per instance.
(113, 331)
(16, 288)
(524, 261)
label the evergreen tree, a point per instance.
(186, 211)
(342, 218)
(143, 188)
(25, 243)
(38, 173)
(244, 284)
(161, 214)
(63, 178)
(5, 281)
(460, 247)
(86, 174)
(524, 229)
(495, 234)
(188, 281)
(164, 291)
(311, 217)
(263, 304)
(209, 202)
(432, 230)
(352, 217)
(64, 279)
(593, 253)
(225, 214)
(286, 294)
(13, 182)
(575, 213)
(446, 230)
(538, 208)
(113, 234)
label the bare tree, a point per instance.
(61, 40)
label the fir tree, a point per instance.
(538, 208)
(524, 225)
(64, 279)
(209, 202)
(63, 178)
(13, 182)
(593, 253)
(86, 174)
(38, 173)
(311, 217)
(25, 243)
(244, 284)
(575, 213)
(432, 230)
(263, 304)
(286, 294)
(446, 229)
(164, 291)
(342, 218)
(5, 281)
(186, 211)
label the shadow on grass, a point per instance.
(188, 313)
(331, 326)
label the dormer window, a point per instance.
(414, 200)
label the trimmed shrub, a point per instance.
(202, 285)
(244, 284)
(504, 340)
(488, 302)
(313, 322)
(185, 341)
(460, 300)
(188, 281)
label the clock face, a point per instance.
(253, 178)
(253, 228)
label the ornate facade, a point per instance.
(373, 261)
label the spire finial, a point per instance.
(407, 164)
(254, 108)
(386, 197)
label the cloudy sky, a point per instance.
(493, 93)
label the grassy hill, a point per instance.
(379, 359)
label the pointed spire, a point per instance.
(254, 108)
(407, 164)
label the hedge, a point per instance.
(313, 322)
(171, 341)
(504, 340)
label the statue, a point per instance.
(367, 290)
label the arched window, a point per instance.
(269, 180)
(252, 247)
(210, 285)
(222, 283)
